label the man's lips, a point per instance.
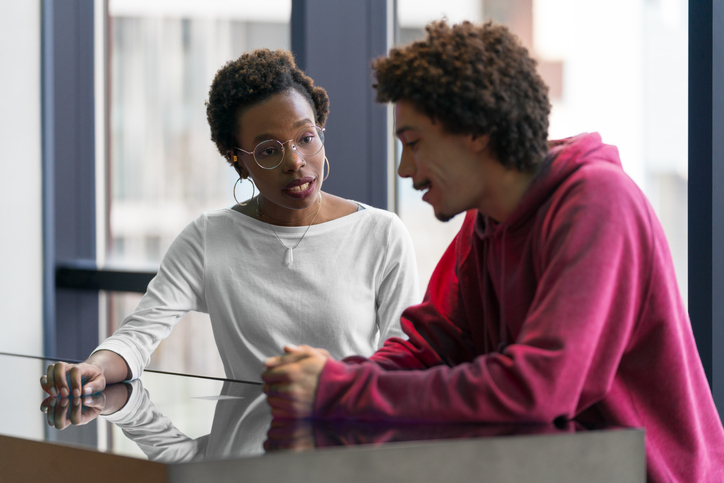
(425, 186)
(422, 185)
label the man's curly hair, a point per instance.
(252, 78)
(474, 79)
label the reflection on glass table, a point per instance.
(240, 421)
(300, 435)
(176, 428)
(243, 426)
(188, 405)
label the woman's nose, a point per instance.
(293, 159)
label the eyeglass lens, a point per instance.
(308, 142)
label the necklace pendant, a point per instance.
(289, 255)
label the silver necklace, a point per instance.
(289, 251)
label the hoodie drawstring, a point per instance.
(502, 329)
(486, 250)
(503, 332)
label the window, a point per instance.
(163, 168)
(656, 32)
(630, 87)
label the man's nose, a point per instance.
(407, 166)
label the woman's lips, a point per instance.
(300, 188)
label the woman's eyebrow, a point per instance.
(267, 136)
(302, 122)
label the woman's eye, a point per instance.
(267, 152)
(306, 139)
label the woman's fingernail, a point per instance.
(87, 390)
(53, 392)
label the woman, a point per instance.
(293, 265)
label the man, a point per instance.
(557, 298)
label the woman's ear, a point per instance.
(236, 163)
(239, 169)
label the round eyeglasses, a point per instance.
(270, 153)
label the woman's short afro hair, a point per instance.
(251, 78)
(474, 79)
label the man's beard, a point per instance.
(444, 217)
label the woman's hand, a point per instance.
(63, 379)
(290, 381)
(89, 377)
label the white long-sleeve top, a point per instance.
(350, 280)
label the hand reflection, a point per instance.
(305, 434)
(62, 412)
(295, 435)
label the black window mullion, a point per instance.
(706, 187)
(69, 224)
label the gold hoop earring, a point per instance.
(253, 192)
(327, 161)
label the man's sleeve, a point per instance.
(594, 263)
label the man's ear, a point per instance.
(479, 142)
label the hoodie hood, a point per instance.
(565, 157)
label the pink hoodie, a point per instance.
(569, 309)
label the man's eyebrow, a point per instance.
(266, 136)
(402, 129)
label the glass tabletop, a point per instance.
(174, 418)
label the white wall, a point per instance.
(20, 178)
